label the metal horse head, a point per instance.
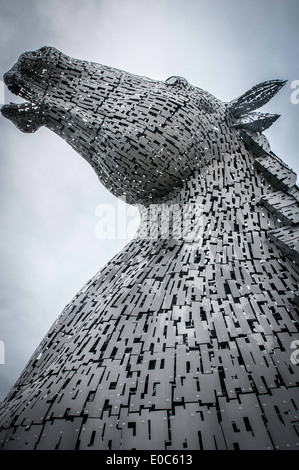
(143, 137)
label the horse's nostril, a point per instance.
(15, 89)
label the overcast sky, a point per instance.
(49, 194)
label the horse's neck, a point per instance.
(218, 200)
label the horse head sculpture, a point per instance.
(142, 136)
(167, 347)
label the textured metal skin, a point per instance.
(182, 341)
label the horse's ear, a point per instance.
(255, 97)
(256, 122)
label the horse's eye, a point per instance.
(172, 80)
(179, 82)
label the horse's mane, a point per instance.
(283, 202)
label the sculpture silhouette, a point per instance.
(185, 339)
